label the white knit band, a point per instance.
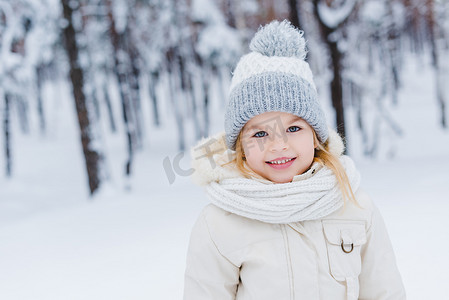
(255, 63)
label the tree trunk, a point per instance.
(206, 90)
(336, 87)
(95, 102)
(393, 49)
(126, 107)
(439, 85)
(154, 75)
(22, 111)
(189, 94)
(40, 107)
(124, 89)
(174, 88)
(229, 13)
(134, 85)
(294, 13)
(206, 109)
(107, 100)
(92, 158)
(206, 75)
(7, 132)
(336, 83)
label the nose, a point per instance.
(278, 144)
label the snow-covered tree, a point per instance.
(92, 156)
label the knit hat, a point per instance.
(273, 77)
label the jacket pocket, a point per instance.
(343, 240)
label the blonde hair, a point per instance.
(330, 160)
(322, 156)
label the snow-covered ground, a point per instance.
(56, 243)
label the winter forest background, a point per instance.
(100, 101)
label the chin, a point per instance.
(282, 179)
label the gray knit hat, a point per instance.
(273, 77)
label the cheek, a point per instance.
(251, 148)
(311, 152)
(254, 156)
(251, 161)
(306, 146)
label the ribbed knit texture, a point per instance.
(273, 77)
(262, 93)
(310, 196)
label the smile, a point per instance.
(280, 162)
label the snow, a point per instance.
(57, 243)
(206, 12)
(334, 16)
(219, 44)
(373, 11)
(120, 10)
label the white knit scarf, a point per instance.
(310, 196)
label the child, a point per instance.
(288, 219)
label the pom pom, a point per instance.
(279, 39)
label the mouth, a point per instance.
(281, 163)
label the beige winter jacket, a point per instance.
(346, 255)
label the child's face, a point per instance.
(278, 145)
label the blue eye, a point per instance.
(293, 129)
(260, 134)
